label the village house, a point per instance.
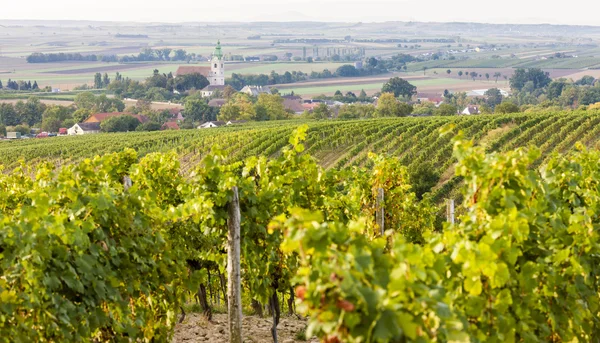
(294, 105)
(217, 102)
(100, 117)
(255, 90)
(84, 128)
(211, 124)
(471, 109)
(170, 125)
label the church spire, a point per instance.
(218, 53)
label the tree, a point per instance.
(149, 126)
(362, 96)
(388, 106)
(587, 80)
(34, 87)
(448, 71)
(31, 111)
(460, 74)
(121, 123)
(555, 88)
(399, 87)
(273, 104)
(85, 100)
(445, 110)
(8, 115)
(98, 81)
(538, 77)
(196, 110)
(228, 92)
(473, 75)
(497, 75)
(494, 97)
(1, 84)
(309, 59)
(506, 107)
(347, 70)
(424, 70)
(51, 124)
(487, 76)
(322, 112)
(181, 83)
(105, 80)
(2, 130)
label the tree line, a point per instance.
(146, 55)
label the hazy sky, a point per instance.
(581, 12)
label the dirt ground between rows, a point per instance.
(195, 328)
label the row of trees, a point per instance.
(238, 81)
(147, 54)
(20, 85)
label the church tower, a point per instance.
(217, 67)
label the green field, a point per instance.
(357, 87)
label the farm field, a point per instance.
(423, 84)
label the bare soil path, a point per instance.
(195, 328)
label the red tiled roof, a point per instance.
(170, 125)
(184, 70)
(100, 117)
(294, 105)
(310, 107)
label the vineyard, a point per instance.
(416, 142)
(108, 237)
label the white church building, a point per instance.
(216, 76)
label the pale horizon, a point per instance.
(579, 12)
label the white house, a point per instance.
(255, 90)
(84, 128)
(471, 109)
(210, 89)
(210, 124)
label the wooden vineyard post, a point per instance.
(450, 211)
(234, 291)
(379, 211)
(126, 182)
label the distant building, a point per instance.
(481, 92)
(211, 124)
(471, 109)
(294, 105)
(236, 122)
(358, 65)
(255, 90)
(176, 114)
(100, 117)
(84, 128)
(210, 89)
(170, 125)
(217, 102)
(216, 77)
(252, 59)
(185, 70)
(55, 90)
